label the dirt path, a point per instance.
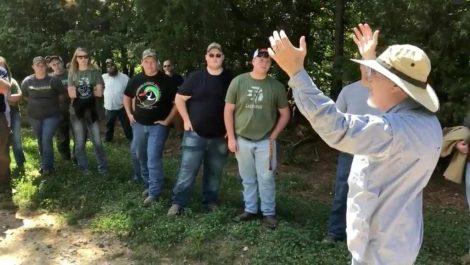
(33, 238)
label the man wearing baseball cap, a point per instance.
(153, 93)
(256, 112)
(200, 102)
(60, 81)
(395, 152)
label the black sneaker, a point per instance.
(243, 217)
(270, 221)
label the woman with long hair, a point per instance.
(85, 85)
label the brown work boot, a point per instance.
(149, 201)
(243, 217)
(270, 221)
(174, 210)
(465, 259)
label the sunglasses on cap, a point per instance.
(263, 54)
(217, 55)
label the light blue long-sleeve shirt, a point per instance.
(395, 155)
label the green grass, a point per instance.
(113, 205)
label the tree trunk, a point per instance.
(339, 42)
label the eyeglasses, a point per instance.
(217, 55)
(82, 56)
(167, 65)
(371, 72)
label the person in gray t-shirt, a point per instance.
(353, 100)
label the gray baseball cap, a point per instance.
(149, 53)
(39, 59)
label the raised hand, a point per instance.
(366, 41)
(288, 57)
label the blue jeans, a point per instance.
(150, 140)
(44, 131)
(111, 117)
(195, 151)
(17, 145)
(80, 127)
(257, 172)
(337, 219)
(134, 157)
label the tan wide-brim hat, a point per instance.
(408, 67)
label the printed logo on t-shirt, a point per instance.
(255, 94)
(148, 94)
(84, 88)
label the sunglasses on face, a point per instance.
(217, 55)
(82, 56)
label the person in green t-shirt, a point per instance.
(256, 111)
(85, 84)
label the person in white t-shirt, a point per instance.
(115, 83)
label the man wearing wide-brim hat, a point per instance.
(395, 152)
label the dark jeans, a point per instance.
(17, 145)
(197, 150)
(63, 136)
(4, 153)
(111, 116)
(81, 128)
(337, 219)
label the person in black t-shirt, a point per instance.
(200, 102)
(148, 100)
(169, 69)
(60, 81)
(43, 111)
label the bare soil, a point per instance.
(41, 238)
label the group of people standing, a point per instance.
(395, 149)
(249, 111)
(218, 113)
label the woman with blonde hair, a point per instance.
(85, 85)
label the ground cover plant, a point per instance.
(113, 205)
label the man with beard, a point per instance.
(114, 85)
